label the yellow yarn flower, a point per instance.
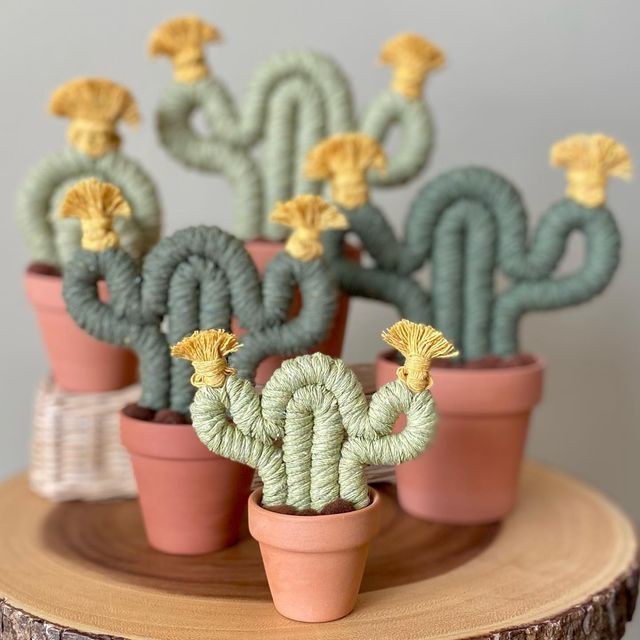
(308, 216)
(183, 39)
(344, 160)
(419, 344)
(589, 161)
(96, 204)
(207, 351)
(94, 105)
(412, 58)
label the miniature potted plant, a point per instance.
(293, 100)
(95, 106)
(472, 223)
(192, 501)
(309, 436)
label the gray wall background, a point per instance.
(519, 76)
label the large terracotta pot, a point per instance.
(470, 472)
(262, 252)
(192, 500)
(79, 363)
(314, 564)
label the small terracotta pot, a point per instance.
(79, 363)
(262, 252)
(470, 473)
(192, 500)
(314, 564)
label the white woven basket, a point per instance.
(75, 446)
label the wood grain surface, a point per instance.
(564, 565)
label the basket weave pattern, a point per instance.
(75, 447)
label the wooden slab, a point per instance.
(564, 565)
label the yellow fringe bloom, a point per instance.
(419, 344)
(308, 216)
(96, 204)
(207, 351)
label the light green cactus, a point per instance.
(311, 432)
(294, 99)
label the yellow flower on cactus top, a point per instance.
(419, 344)
(589, 161)
(344, 160)
(96, 204)
(94, 105)
(183, 39)
(412, 58)
(308, 216)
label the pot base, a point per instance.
(314, 564)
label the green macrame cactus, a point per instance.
(311, 432)
(471, 223)
(199, 277)
(94, 106)
(294, 100)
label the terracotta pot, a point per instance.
(192, 500)
(314, 564)
(470, 473)
(262, 252)
(79, 363)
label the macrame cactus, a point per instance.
(294, 100)
(95, 106)
(311, 432)
(197, 278)
(471, 223)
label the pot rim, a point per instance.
(314, 534)
(539, 364)
(163, 441)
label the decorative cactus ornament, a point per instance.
(197, 278)
(311, 432)
(470, 224)
(94, 106)
(293, 101)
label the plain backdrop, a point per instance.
(519, 76)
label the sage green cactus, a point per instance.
(294, 99)
(311, 432)
(95, 106)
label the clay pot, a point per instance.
(262, 252)
(79, 363)
(314, 564)
(470, 473)
(192, 500)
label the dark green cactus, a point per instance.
(199, 277)
(472, 223)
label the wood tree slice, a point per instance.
(563, 566)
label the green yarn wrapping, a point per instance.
(198, 278)
(293, 101)
(312, 432)
(53, 240)
(472, 223)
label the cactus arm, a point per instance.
(119, 321)
(416, 130)
(54, 241)
(376, 283)
(275, 336)
(248, 440)
(212, 153)
(602, 254)
(387, 404)
(306, 84)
